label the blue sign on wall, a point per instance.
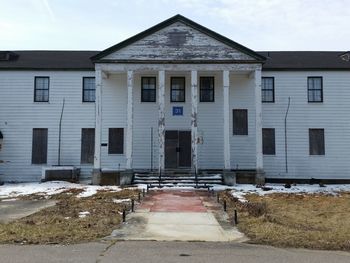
(178, 111)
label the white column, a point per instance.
(129, 124)
(226, 94)
(98, 119)
(194, 118)
(258, 122)
(161, 119)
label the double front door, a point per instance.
(177, 149)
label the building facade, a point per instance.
(176, 96)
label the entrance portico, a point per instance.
(188, 50)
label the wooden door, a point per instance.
(171, 146)
(185, 149)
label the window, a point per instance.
(116, 141)
(89, 89)
(39, 146)
(41, 89)
(206, 92)
(240, 122)
(315, 89)
(268, 136)
(177, 93)
(148, 89)
(87, 145)
(316, 142)
(268, 89)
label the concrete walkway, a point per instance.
(178, 215)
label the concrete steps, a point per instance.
(178, 180)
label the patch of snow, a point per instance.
(118, 201)
(9, 200)
(50, 188)
(84, 214)
(240, 190)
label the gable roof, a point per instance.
(186, 21)
(80, 60)
(305, 60)
(48, 60)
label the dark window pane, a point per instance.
(240, 122)
(89, 89)
(268, 89)
(269, 141)
(41, 89)
(177, 93)
(206, 89)
(316, 142)
(39, 146)
(116, 141)
(87, 145)
(148, 89)
(315, 89)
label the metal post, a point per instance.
(236, 217)
(132, 205)
(143, 192)
(139, 197)
(218, 198)
(160, 178)
(225, 208)
(124, 215)
(196, 178)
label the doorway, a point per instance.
(177, 149)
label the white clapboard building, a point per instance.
(177, 96)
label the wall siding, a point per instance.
(332, 115)
(19, 115)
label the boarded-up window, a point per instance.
(316, 142)
(240, 122)
(87, 145)
(41, 89)
(39, 146)
(116, 141)
(268, 136)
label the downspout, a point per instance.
(285, 136)
(59, 134)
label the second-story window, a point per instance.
(268, 89)
(177, 92)
(89, 89)
(41, 89)
(148, 89)
(315, 89)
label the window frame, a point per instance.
(245, 130)
(323, 146)
(83, 160)
(309, 89)
(172, 89)
(274, 141)
(36, 89)
(84, 89)
(110, 152)
(142, 88)
(212, 78)
(264, 89)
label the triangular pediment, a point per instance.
(178, 39)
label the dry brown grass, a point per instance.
(316, 221)
(61, 223)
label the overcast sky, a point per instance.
(98, 24)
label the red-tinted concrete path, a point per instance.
(177, 201)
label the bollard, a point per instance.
(236, 217)
(124, 215)
(225, 205)
(132, 205)
(143, 192)
(139, 197)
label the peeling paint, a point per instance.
(98, 119)
(194, 117)
(129, 124)
(161, 119)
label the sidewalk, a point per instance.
(178, 215)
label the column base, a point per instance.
(96, 176)
(229, 177)
(260, 177)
